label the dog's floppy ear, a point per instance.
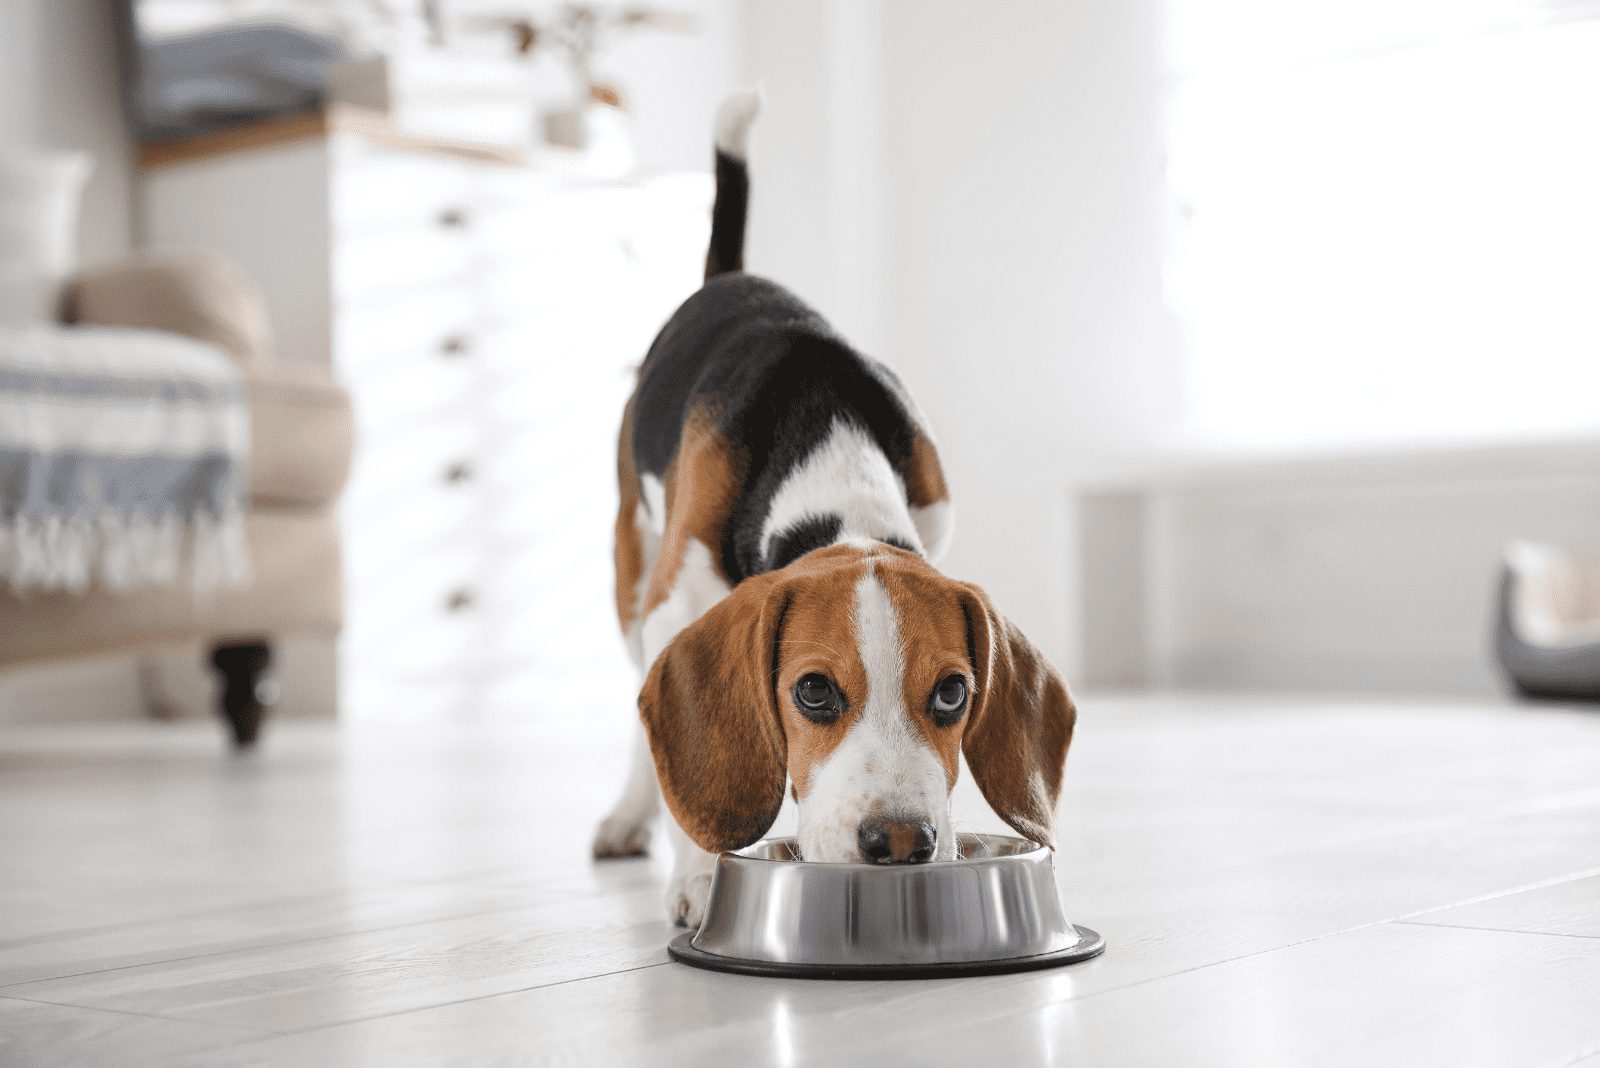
(1020, 724)
(711, 711)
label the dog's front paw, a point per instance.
(621, 835)
(686, 898)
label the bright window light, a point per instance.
(1388, 221)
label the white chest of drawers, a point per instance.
(486, 317)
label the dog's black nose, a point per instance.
(896, 842)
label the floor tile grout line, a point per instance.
(446, 1004)
(263, 946)
(1582, 1056)
(1276, 949)
(256, 1033)
(1589, 798)
(1496, 930)
(171, 917)
(1228, 960)
(1567, 802)
(176, 917)
(1520, 888)
(463, 883)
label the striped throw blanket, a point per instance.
(122, 460)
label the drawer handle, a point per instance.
(453, 219)
(459, 601)
(458, 472)
(455, 345)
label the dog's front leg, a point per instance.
(690, 884)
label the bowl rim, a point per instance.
(1031, 850)
(683, 949)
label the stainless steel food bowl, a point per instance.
(996, 909)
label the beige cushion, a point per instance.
(195, 294)
(300, 438)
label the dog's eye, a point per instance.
(949, 700)
(817, 698)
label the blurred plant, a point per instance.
(433, 18)
(579, 32)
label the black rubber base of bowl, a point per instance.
(1090, 944)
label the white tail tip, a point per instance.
(734, 116)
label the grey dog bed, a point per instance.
(1547, 630)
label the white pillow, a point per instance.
(40, 194)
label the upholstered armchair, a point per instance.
(299, 454)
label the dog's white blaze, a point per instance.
(848, 476)
(884, 767)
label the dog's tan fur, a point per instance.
(627, 552)
(925, 483)
(700, 489)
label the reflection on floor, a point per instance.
(1281, 881)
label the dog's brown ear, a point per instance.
(710, 709)
(1020, 724)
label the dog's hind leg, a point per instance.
(626, 831)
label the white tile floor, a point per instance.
(1281, 882)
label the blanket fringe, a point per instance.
(123, 552)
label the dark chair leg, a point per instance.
(246, 690)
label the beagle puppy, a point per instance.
(781, 503)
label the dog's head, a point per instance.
(861, 674)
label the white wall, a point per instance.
(675, 81)
(977, 195)
(819, 221)
(59, 89)
(1028, 208)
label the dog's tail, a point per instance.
(733, 182)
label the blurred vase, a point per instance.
(433, 92)
(601, 132)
